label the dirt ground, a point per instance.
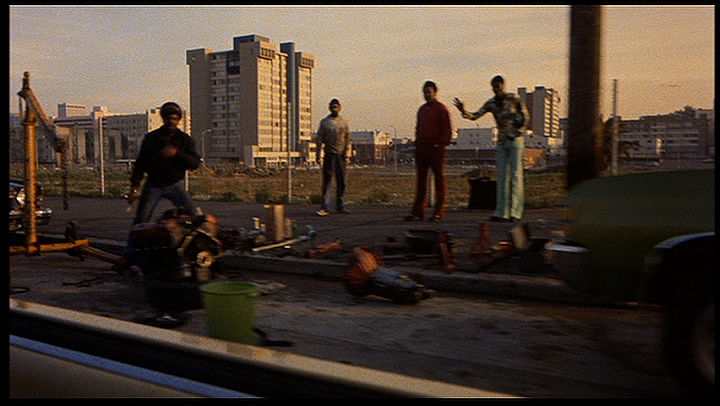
(520, 347)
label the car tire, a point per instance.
(690, 337)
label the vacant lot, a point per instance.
(384, 186)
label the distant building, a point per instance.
(124, 132)
(472, 146)
(371, 147)
(474, 138)
(71, 110)
(543, 105)
(122, 135)
(46, 154)
(683, 135)
(477, 146)
(543, 125)
(249, 99)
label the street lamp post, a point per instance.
(102, 155)
(202, 139)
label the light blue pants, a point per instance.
(510, 191)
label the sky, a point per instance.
(374, 59)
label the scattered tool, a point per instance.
(266, 342)
(366, 276)
(163, 319)
(72, 235)
(323, 249)
(83, 283)
(283, 243)
(519, 242)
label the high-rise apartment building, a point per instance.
(543, 105)
(252, 103)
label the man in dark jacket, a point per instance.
(433, 134)
(165, 154)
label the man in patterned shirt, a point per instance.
(510, 117)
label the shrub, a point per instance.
(263, 194)
(377, 196)
(315, 199)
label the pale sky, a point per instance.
(373, 58)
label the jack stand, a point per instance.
(481, 249)
(446, 263)
(72, 234)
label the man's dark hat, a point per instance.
(170, 108)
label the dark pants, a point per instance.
(428, 157)
(333, 164)
(148, 200)
(151, 195)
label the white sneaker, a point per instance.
(322, 213)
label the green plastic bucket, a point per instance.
(230, 310)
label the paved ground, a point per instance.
(366, 225)
(494, 342)
(380, 228)
(518, 347)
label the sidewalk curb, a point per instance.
(519, 286)
(497, 284)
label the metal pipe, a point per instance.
(37, 249)
(282, 243)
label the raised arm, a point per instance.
(470, 116)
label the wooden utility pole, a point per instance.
(29, 122)
(584, 159)
(615, 130)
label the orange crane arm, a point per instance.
(32, 102)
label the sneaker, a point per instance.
(435, 217)
(322, 212)
(343, 211)
(410, 217)
(499, 219)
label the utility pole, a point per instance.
(615, 123)
(584, 127)
(102, 155)
(292, 97)
(30, 172)
(394, 145)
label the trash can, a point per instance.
(230, 310)
(483, 193)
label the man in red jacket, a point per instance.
(433, 133)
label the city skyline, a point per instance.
(373, 58)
